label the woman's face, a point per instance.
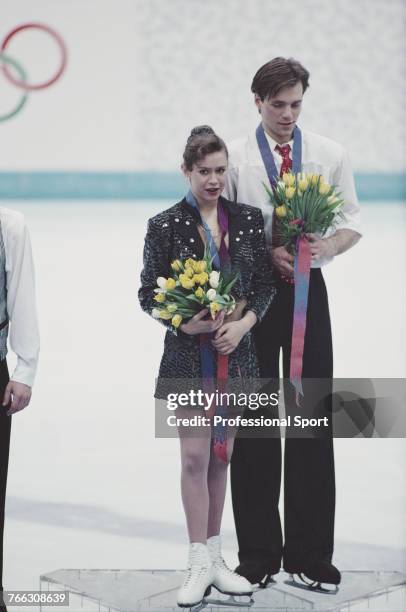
(207, 178)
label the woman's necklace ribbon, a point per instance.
(220, 261)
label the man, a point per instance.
(277, 146)
(17, 309)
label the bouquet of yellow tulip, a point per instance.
(303, 203)
(194, 285)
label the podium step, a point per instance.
(155, 591)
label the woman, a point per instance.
(233, 232)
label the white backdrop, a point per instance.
(141, 73)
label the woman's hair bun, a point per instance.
(202, 141)
(202, 129)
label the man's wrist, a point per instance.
(332, 246)
(20, 383)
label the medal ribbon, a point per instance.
(302, 258)
(221, 261)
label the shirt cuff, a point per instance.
(24, 372)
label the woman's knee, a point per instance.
(194, 462)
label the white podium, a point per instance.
(155, 591)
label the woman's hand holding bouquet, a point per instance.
(195, 297)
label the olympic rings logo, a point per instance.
(21, 81)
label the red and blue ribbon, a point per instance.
(302, 258)
(302, 278)
(213, 364)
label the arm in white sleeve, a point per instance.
(21, 306)
(342, 240)
(344, 180)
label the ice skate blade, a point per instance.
(311, 585)
(231, 602)
(233, 594)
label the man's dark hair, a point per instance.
(278, 73)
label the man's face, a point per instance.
(279, 113)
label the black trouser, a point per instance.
(309, 481)
(5, 427)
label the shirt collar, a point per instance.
(273, 143)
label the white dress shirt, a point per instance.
(246, 175)
(21, 307)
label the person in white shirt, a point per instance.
(17, 311)
(277, 146)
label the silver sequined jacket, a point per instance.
(173, 234)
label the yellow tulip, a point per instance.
(199, 293)
(314, 179)
(201, 266)
(201, 278)
(189, 272)
(164, 314)
(288, 179)
(214, 307)
(280, 211)
(176, 265)
(172, 308)
(290, 192)
(186, 282)
(303, 184)
(190, 263)
(176, 320)
(160, 297)
(170, 284)
(324, 188)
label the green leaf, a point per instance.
(193, 298)
(230, 285)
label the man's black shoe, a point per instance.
(318, 573)
(323, 571)
(257, 572)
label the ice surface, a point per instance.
(89, 485)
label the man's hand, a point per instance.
(17, 396)
(282, 260)
(321, 248)
(336, 244)
(229, 336)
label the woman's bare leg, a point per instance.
(195, 457)
(217, 484)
